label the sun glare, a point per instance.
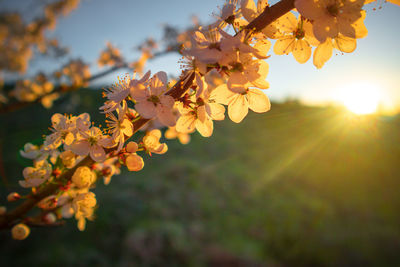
(360, 98)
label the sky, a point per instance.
(126, 23)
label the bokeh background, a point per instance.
(300, 185)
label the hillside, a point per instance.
(297, 186)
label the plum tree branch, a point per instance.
(269, 15)
(60, 89)
(22, 104)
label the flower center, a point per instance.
(230, 19)
(333, 10)
(64, 134)
(200, 101)
(299, 33)
(238, 67)
(154, 99)
(92, 140)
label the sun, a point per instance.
(360, 98)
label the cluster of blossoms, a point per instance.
(73, 138)
(323, 24)
(220, 70)
(41, 88)
(111, 56)
(19, 39)
(75, 73)
(29, 91)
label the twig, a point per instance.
(22, 104)
(60, 89)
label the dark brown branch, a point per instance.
(270, 14)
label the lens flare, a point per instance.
(360, 98)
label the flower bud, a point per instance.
(68, 158)
(131, 147)
(14, 196)
(83, 177)
(3, 210)
(134, 162)
(50, 218)
(20, 231)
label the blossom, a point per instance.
(108, 168)
(35, 176)
(47, 100)
(228, 15)
(240, 100)
(20, 231)
(116, 94)
(172, 133)
(68, 158)
(14, 196)
(30, 151)
(248, 72)
(296, 37)
(110, 56)
(83, 206)
(195, 118)
(81, 123)
(151, 142)
(121, 90)
(331, 17)
(135, 84)
(49, 218)
(93, 143)
(119, 126)
(78, 72)
(153, 102)
(65, 201)
(231, 44)
(62, 127)
(133, 161)
(26, 90)
(206, 47)
(83, 177)
(324, 51)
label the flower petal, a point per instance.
(81, 147)
(238, 108)
(97, 153)
(215, 111)
(205, 127)
(186, 123)
(323, 53)
(301, 51)
(165, 116)
(146, 109)
(258, 101)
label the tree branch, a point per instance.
(269, 15)
(21, 104)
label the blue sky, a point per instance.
(128, 22)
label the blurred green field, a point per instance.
(297, 186)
